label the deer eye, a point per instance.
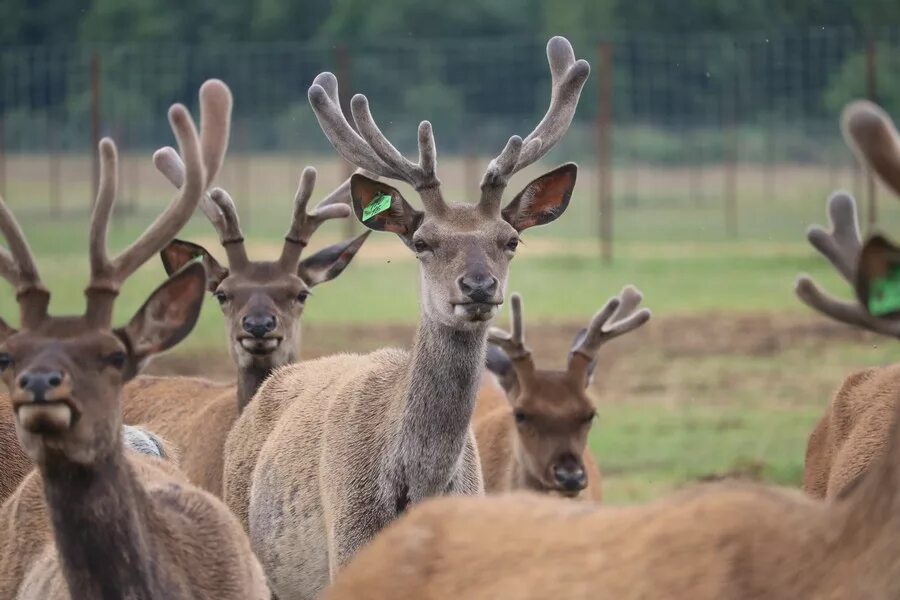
(512, 244)
(6, 361)
(302, 297)
(421, 246)
(116, 360)
(222, 297)
(520, 416)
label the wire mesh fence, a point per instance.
(708, 125)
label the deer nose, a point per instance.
(478, 287)
(39, 383)
(259, 325)
(570, 477)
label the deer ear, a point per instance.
(168, 315)
(328, 263)
(179, 253)
(498, 363)
(589, 372)
(5, 330)
(877, 283)
(396, 215)
(542, 200)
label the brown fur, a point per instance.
(853, 433)
(188, 524)
(192, 414)
(14, 463)
(500, 451)
(727, 540)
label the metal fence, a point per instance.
(712, 110)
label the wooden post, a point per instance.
(54, 171)
(242, 170)
(344, 68)
(871, 94)
(95, 124)
(731, 155)
(2, 158)
(604, 124)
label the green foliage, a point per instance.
(849, 82)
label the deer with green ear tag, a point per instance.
(330, 451)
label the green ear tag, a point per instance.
(884, 294)
(378, 205)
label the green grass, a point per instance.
(668, 416)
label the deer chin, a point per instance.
(45, 418)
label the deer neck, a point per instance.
(437, 405)
(252, 373)
(249, 379)
(100, 516)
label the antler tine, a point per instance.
(221, 211)
(323, 97)
(217, 206)
(215, 107)
(370, 149)
(513, 343)
(106, 197)
(304, 224)
(107, 275)
(616, 318)
(842, 245)
(568, 77)
(839, 310)
(625, 318)
(871, 133)
(18, 267)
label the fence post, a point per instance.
(731, 151)
(54, 168)
(871, 94)
(344, 69)
(95, 124)
(604, 124)
(2, 157)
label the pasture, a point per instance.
(727, 379)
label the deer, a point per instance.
(329, 451)
(730, 539)
(262, 302)
(854, 430)
(92, 521)
(535, 438)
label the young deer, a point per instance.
(854, 431)
(262, 302)
(536, 438)
(91, 521)
(330, 451)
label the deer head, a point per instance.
(263, 300)
(463, 250)
(552, 409)
(872, 135)
(65, 374)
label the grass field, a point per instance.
(727, 379)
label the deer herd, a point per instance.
(454, 469)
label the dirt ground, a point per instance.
(670, 359)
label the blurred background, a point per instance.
(707, 139)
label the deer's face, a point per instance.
(463, 263)
(262, 306)
(463, 250)
(553, 416)
(65, 377)
(64, 383)
(262, 302)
